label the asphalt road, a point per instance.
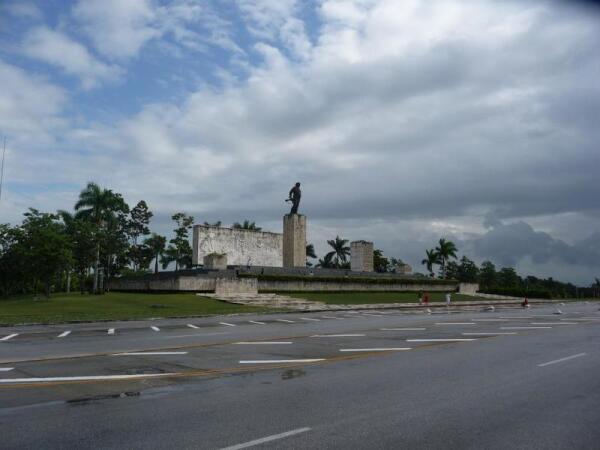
(379, 379)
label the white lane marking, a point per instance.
(192, 326)
(273, 437)
(524, 328)
(10, 336)
(489, 320)
(488, 334)
(192, 335)
(278, 361)
(561, 359)
(256, 322)
(581, 319)
(155, 328)
(336, 335)
(455, 323)
(440, 340)
(64, 334)
(285, 320)
(371, 315)
(262, 343)
(402, 329)
(111, 331)
(553, 323)
(389, 349)
(6, 369)
(85, 378)
(331, 317)
(148, 353)
(227, 324)
(312, 320)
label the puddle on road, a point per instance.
(97, 398)
(292, 373)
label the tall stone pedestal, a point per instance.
(361, 256)
(294, 240)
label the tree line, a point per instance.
(102, 237)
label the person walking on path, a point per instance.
(448, 298)
(420, 297)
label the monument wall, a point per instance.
(242, 247)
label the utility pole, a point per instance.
(2, 169)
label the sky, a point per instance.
(405, 121)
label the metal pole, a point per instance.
(2, 169)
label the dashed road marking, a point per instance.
(455, 323)
(262, 343)
(6, 369)
(561, 359)
(525, 328)
(227, 324)
(111, 331)
(273, 437)
(279, 361)
(257, 322)
(489, 320)
(155, 328)
(83, 378)
(441, 340)
(285, 320)
(402, 329)
(332, 317)
(148, 353)
(192, 326)
(312, 320)
(64, 334)
(488, 334)
(10, 336)
(336, 335)
(380, 349)
(554, 323)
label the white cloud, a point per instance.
(403, 120)
(118, 28)
(58, 49)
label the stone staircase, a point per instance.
(269, 301)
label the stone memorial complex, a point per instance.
(361, 256)
(294, 240)
(241, 247)
(234, 262)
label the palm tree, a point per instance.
(98, 206)
(341, 251)
(247, 225)
(310, 253)
(445, 250)
(157, 244)
(326, 262)
(431, 258)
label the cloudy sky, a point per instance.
(405, 120)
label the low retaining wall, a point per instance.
(182, 284)
(329, 286)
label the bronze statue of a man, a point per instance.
(294, 197)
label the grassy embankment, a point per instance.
(356, 298)
(112, 306)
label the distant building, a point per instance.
(403, 269)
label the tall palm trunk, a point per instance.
(156, 264)
(96, 264)
(68, 281)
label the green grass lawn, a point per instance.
(112, 306)
(356, 298)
